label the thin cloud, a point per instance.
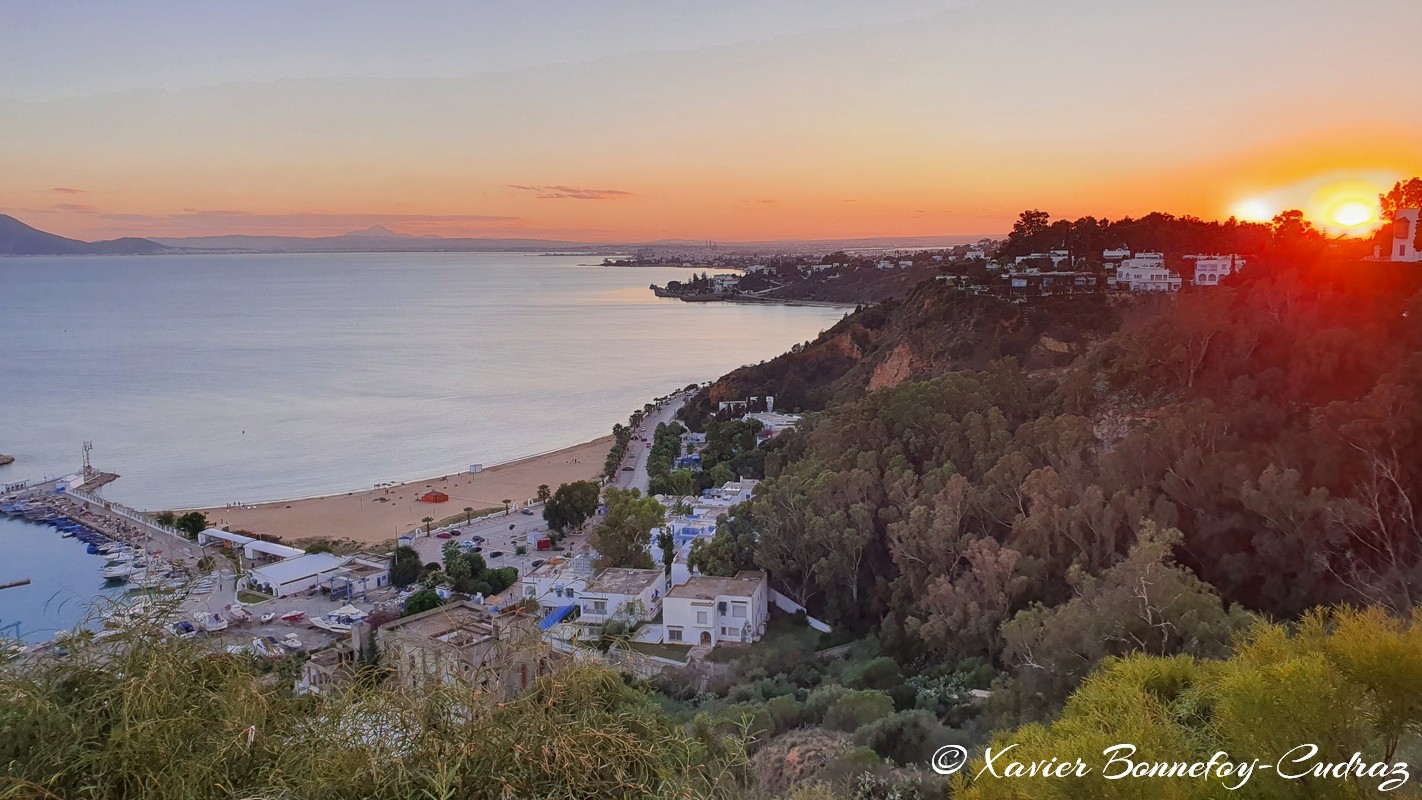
(570, 192)
(75, 208)
(67, 190)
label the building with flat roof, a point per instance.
(624, 594)
(464, 644)
(294, 575)
(558, 582)
(709, 610)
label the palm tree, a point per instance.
(544, 493)
(468, 514)
(427, 521)
(507, 504)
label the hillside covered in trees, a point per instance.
(1009, 496)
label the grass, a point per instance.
(781, 631)
(674, 652)
(251, 598)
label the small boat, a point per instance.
(120, 572)
(293, 616)
(292, 642)
(268, 617)
(212, 622)
(341, 620)
(92, 549)
(238, 613)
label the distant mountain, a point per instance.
(376, 238)
(19, 239)
(379, 232)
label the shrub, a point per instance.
(881, 673)
(822, 699)
(857, 708)
(788, 713)
(907, 738)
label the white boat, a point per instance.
(212, 622)
(341, 620)
(238, 613)
(120, 572)
(268, 617)
(292, 642)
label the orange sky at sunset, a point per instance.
(910, 118)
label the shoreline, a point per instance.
(384, 512)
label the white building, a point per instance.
(725, 283)
(775, 423)
(1210, 270)
(295, 575)
(709, 611)
(557, 582)
(975, 254)
(1146, 272)
(1404, 236)
(1115, 254)
(621, 593)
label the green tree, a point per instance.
(572, 505)
(623, 538)
(468, 514)
(191, 523)
(544, 493)
(423, 600)
(1342, 680)
(405, 566)
(427, 521)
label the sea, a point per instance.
(212, 379)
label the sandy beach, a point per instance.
(382, 514)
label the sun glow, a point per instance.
(1340, 203)
(1352, 214)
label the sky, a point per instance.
(641, 120)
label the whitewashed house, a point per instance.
(1404, 236)
(1210, 270)
(710, 611)
(1146, 272)
(1115, 254)
(558, 582)
(628, 595)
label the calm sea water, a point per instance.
(211, 379)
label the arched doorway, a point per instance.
(706, 637)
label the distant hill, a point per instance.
(376, 238)
(19, 239)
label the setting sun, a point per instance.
(1352, 214)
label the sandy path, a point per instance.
(383, 514)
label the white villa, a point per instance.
(1146, 272)
(295, 575)
(710, 611)
(622, 593)
(1210, 270)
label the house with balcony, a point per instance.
(464, 644)
(709, 610)
(1210, 270)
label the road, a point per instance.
(503, 533)
(638, 451)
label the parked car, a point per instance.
(441, 535)
(496, 554)
(478, 539)
(626, 469)
(528, 511)
(535, 563)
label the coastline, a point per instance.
(384, 513)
